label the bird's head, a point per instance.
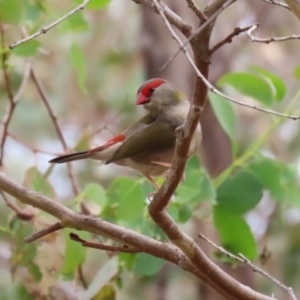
(157, 95)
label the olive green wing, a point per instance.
(140, 124)
(156, 137)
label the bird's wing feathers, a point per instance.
(156, 137)
(140, 124)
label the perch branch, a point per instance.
(242, 259)
(47, 28)
(217, 278)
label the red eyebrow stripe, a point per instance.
(152, 84)
(118, 138)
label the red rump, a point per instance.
(118, 138)
(146, 90)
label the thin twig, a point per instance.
(47, 28)
(242, 259)
(43, 232)
(278, 3)
(57, 128)
(84, 243)
(196, 32)
(247, 262)
(21, 213)
(32, 148)
(24, 81)
(194, 7)
(216, 91)
(228, 39)
(13, 100)
(271, 39)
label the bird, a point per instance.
(147, 145)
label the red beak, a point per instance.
(141, 99)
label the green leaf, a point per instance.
(250, 85)
(126, 260)
(239, 193)
(173, 211)
(93, 192)
(23, 255)
(11, 11)
(224, 112)
(279, 178)
(197, 185)
(128, 198)
(95, 4)
(108, 292)
(35, 181)
(297, 72)
(185, 213)
(74, 253)
(16, 291)
(33, 10)
(78, 63)
(269, 173)
(27, 49)
(289, 182)
(235, 233)
(148, 265)
(276, 82)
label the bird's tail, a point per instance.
(70, 157)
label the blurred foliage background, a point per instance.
(244, 194)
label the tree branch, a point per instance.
(37, 235)
(194, 7)
(242, 259)
(173, 18)
(271, 39)
(217, 279)
(125, 249)
(20, 213)
(47, 28)
(57, 128)
(13, 100)
(196, 33)
(294, 6)
(228, 39)
(70, 219)
(166, 251)
(277, 3)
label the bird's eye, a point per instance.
(151, 90)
